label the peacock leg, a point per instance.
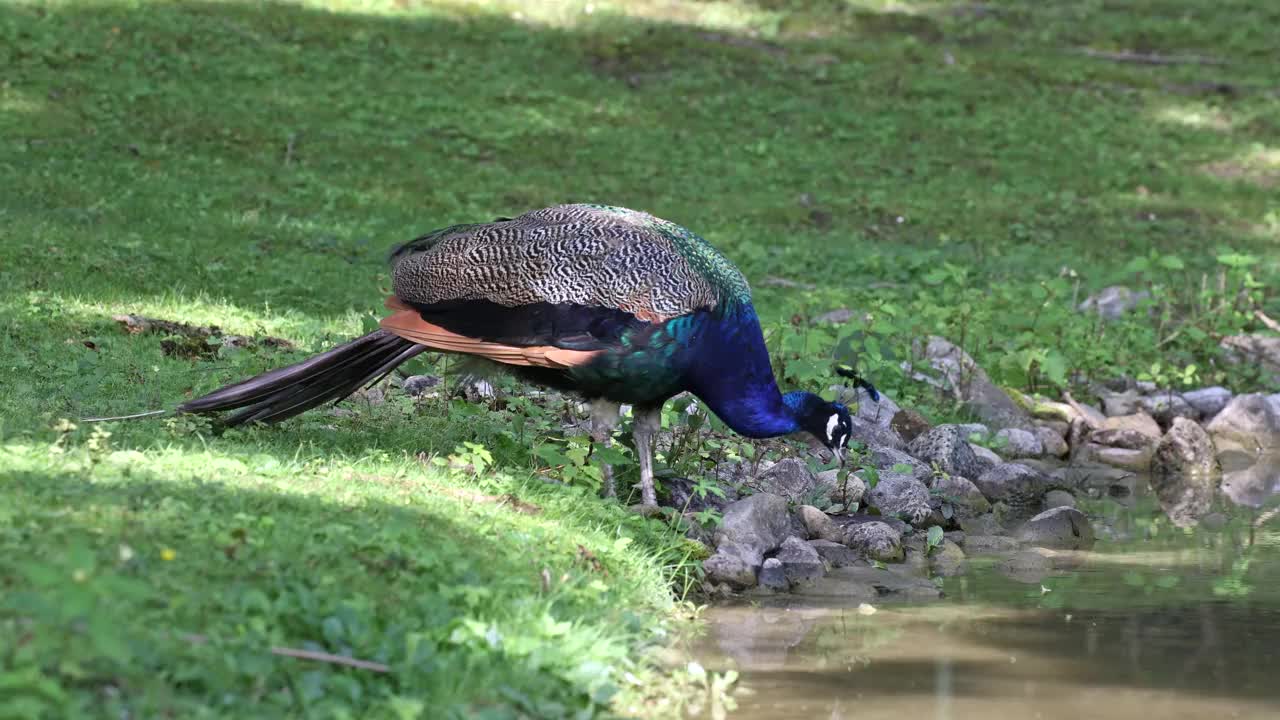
(647, 423)
(604, 418)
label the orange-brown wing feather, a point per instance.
(408, 324)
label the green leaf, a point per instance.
(935, 536)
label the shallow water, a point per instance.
(1159, 619)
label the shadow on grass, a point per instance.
(474, 600)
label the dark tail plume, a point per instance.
(331, 375)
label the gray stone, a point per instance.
(1208, 401)
(1059, 498)
(1129, 459)
(990, 544)
(790, 479)
(773, 576)
(969, 431)
(1248, 423)
(899, 495)
(1027, 566)
(884, 458)
(1054, 442)
(848, 491)
(834, 553)
(1121, 403)
(874, 540)
(682, 496)
(733, 564)
(1126, 438)
(1164, 406)
(893, 584)
(1019, 443)
(987, 458)
(1014, 484)
(1060, 527)
(416, 385)
(877, 412)
(1185, 449)
(964, 380)
(870, 432)
(759, 521)
(849, 590)
(1251, 481)
(944, 447)
(800, 561)
(818, 524)
(1113, 301)
(1141, 422)
(947, 559)
(962, 494)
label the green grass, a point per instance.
(945, 167)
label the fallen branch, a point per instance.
(1076, 406)
(1266, 320)
(1257, 523)
(1126, 56)
(323, 657)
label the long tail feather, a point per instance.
(329, 376)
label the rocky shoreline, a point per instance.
(920, 499)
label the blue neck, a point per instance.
(732, 374)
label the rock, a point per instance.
(1251, 481)
(879, 412)
(1140, 422)
(1185, 449)
(1060, 527)
(800, 561)
(1019, 443)
(848, 589)
(848, 491)
(1248, 423)
(869, 432)
(1208, 401)
(874, 540)
(898, 495)
(818, 524)
(1052, 441)
(1129, 459)
(476, 389)
(759, 521)
(974, 431)
(1013, 484)
(680, 494)
(885, 458)
(1113, 301)
(1059, 498)
(1126, 438)
(416, 385)
(1122, 403)
(947, 559)
(987, 458)
(962, 494)
(773, 576)
(989, 544)
(834, 553)
(1165, 406)
(892, 584)
(969, 383)
(945, 447)
(910, 424)
(790, 479)
(1262, 351)
(733, 564)
(1027, 566)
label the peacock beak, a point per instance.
(838, 451)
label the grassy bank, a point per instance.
(962, 169)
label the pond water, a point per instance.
(1159, 619)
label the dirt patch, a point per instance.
(1263, 173)
(194, 342)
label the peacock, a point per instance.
(614, 305)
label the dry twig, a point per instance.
(323, 657)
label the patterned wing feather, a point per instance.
(586, 255)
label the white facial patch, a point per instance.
(832, 423)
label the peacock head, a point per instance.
(829, 422)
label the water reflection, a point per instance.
(1176, 615)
